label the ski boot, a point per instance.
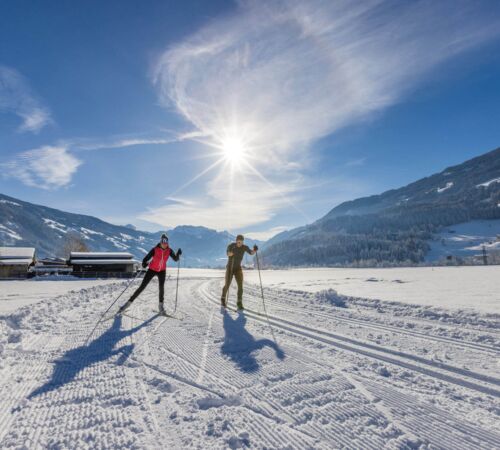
(239, 305)
(223, 302)
(161, 309)
(124, 308)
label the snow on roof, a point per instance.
(11, 256)
(101, 255)
(102, 261)
(17, 252)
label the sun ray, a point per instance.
(275, 189)
(197, 177)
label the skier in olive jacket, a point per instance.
(235, 253)
(157, 267)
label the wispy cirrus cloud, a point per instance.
(112, 143)
(224, 204)
(283, 74)
(48, 167)
(16, 97)
(53, 166)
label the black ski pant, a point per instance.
(238, 275)
(150, 274)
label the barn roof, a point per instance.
(102, 261)
(11, 256)
(122, 256)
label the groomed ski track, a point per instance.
(334, 378)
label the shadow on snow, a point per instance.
(75, 360)
(239, 345)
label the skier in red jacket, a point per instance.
(157, 267)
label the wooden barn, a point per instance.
(51, 266)
(16, 262)
(103, 264)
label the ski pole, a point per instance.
(228, 282)
(110, 306)
(177, 285)
(263, 301)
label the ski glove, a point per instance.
(179, 252)
(144, 264)
(255, 248)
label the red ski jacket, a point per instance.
(160, 257)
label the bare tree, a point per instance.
(74, 242)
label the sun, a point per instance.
(233, 150)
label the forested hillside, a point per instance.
(396, 226)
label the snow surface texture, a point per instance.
(326, 372)
(15, 294)
(475, 287)
(465, 239)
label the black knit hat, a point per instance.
(240, 237)
(164, 239)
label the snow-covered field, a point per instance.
(476, 287)
(326, 371)
(14, 294)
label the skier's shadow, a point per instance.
(75, 360)
(239, 345)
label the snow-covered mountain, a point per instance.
(466, 239)
(47, 229)
(398, 225)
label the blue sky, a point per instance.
(248, 116)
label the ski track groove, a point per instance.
(340, 342)
(30, 377)
(305, 403)
(159, 435)
(45, 408)
(440, 418)
(391, 329)
(275, 300)
(253, 409)
(186, 358)
(290, 390)
(462, 440)
(62, 401)
(168, 344)
(469, 435)
(201, 372)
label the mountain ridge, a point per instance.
(27, 224)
